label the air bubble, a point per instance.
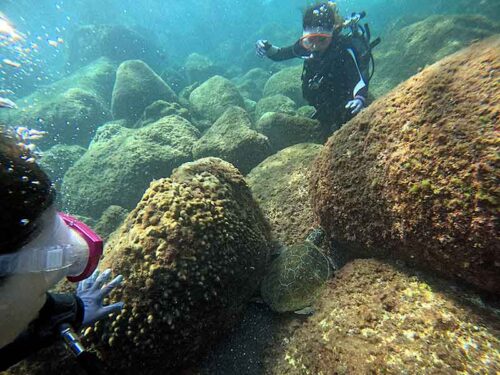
(24, 222)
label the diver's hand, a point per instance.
(92, 292)
(261, 47)
(356, 105)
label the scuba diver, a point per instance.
(336, 68)
(38, 247)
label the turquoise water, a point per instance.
(110, 96)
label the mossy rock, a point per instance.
(110, 220)
(286, 82)
(211, 99)
(280, 184)
(406, 51)
(296, 277)
(415, 175)
(275, 103)
(136, 87)
(120, 163)
(251, 84)
(231, 138)
(199, 68)
(376, 318)
(284, 130)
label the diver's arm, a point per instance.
(286, 53)
(44, 331)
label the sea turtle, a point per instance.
(296, 275)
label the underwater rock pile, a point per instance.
(136, 87)
(280, 184)
(71, 109)
(415, 176)
(380, 318)
(406, 51)
(199, 68)
(121, 162)
(251, 84)
(192, 252)
(232, 139)
(275, 103)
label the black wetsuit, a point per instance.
(44, 331)
(330, 79)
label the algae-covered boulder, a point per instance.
(306, 111)
(415, 175)
(57, 160)
(375, 318)
(285, 130)
(406, 51)
(116, 42)
(211, 99)
(192, 252)
(280, 184)
(120, 163)
(71, 109)
(286, 82)
(275, 103)
(296, 277)
(136, 87)
(251, 84)
(199, 68)
(161, 108)
(111, 219)
(231, 138)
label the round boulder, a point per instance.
(286, 82)
(211, 99)
(136, 87)
(230, 138)
(275, 103)
(415, 175)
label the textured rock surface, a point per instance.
(120, 163)
(230, 138)
(213, 97)
(406, 51)
(285, 130)
(296, 277)
(136, 87)
(193, 252)
(275, 103)
(199, 68)
(251, 84)
(280, 184)
(286, 82)
(415, 175)
(376, 318)
(161, 108)
(111, 219)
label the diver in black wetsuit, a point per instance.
(335, 75)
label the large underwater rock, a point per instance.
(286, 82)
(251, 84)
(120, 163)
(284, 130)
(232, 139)
(406, 51)
(415, 175)
(281, 186)
(161, 108)
(383, 319)
(71, 109)
(192, 252)
(116, 42)
(136, 87)
(275, 103)
(211, 99)
(110, 220)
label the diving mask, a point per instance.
(67, 245)
(316, 39)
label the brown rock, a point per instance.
(415, 176)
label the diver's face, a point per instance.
(317, 42)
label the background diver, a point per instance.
(336, 68)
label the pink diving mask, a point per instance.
(94, 243)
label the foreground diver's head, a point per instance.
(38, 246)
(320, 23)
